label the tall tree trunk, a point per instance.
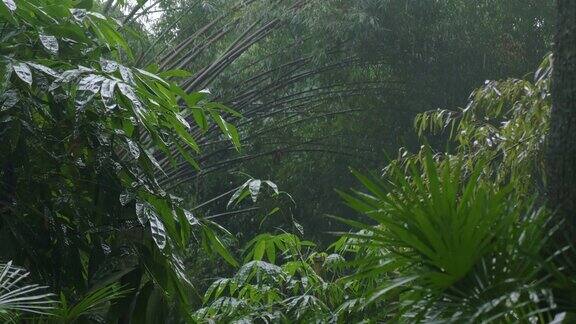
(561, 151)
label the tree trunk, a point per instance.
(561, 150)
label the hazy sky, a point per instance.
(148, 19)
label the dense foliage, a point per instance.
(455, 237)
(176, 161)
(82, 138)
(331, 84)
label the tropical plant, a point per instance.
(496, 267)
(454, 237)
(84, 137)
(16, 297)
(114, 182)
(321, 83)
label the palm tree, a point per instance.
(16, 298)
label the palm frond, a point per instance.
(17, 297)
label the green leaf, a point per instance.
(50, 43)
(156, 227)
(10, 4)
(238, 193)
(254, 188)
(23, 72)
(152, 76)
(181, 128)
(217, 246)
(107, 33)
(5, 73)
(187, 156)
(233, 132)
(88, 87)
(85, 4)
(175, 73)
(259, 250)
(6, 10)
(271, 252)
(389, 287)
(228, 129)
(273, 186)
(200, 118)
(222, 107)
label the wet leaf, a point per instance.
(10, 4)
(190, 217)
(43, 69)
(156, 227)
(140, 213)
(50, 43)
(23, 72)
(107, 93)
(126, 197)
(254, 188)
(88, 87)
(9, 99)
(273, 186)
(133, 148)
(127, 75)
(5, 73)
(129, 93)
(108, 66)
(78, 14)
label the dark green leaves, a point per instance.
(7, 8)
(228, 129)
(213, 243)
(90, 139)
(5, 73)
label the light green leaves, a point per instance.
(270, 245)
(94, 300)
